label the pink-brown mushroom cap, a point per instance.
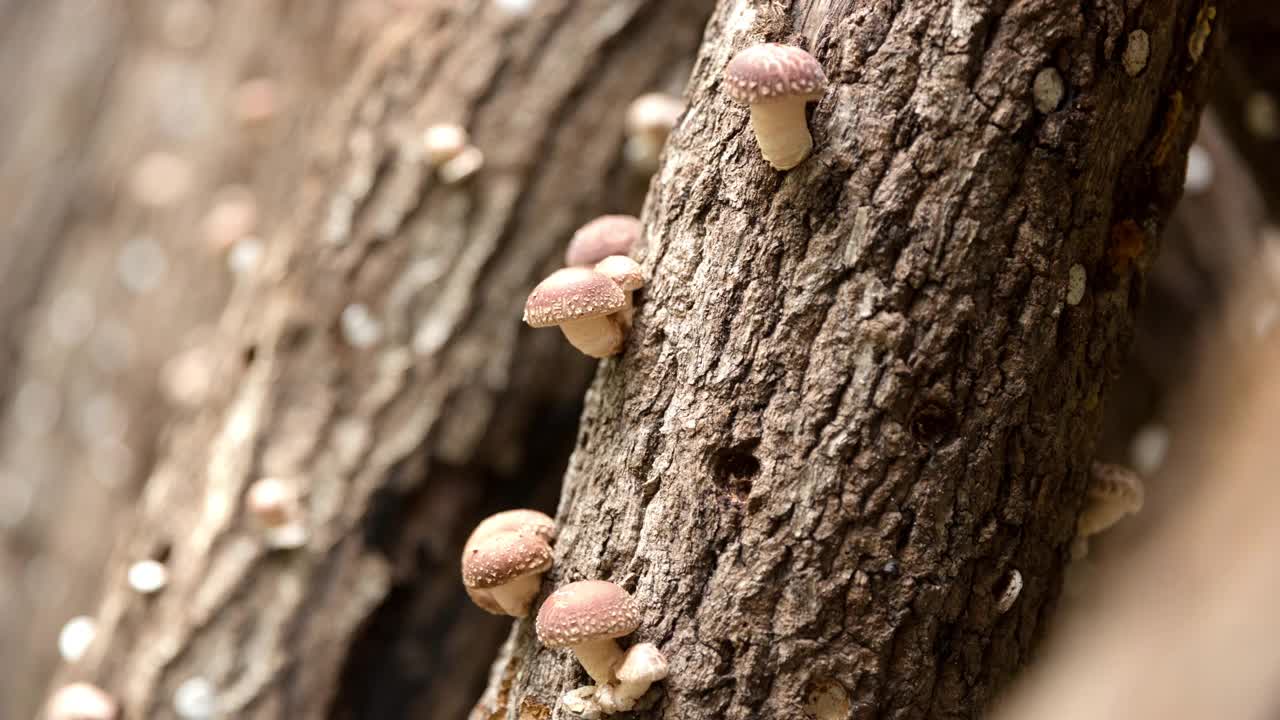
(520, 520)
(606, 235)
(622, 270)
(573, 294)
(770, 72)
(584, 611)
(499, 558)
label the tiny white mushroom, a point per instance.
(75, 637)
(82, 701)
(195, 699)
(642, 666)
(274, 504)
(467, 163)
(1149, 447)
(443, 142)
(148, 576)
(1077, 280)
(1048, 90)
(1199, 170)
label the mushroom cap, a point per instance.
(82, 701)
(525, 521)
(653, 112)
(584, 611)
(770, 72)
(1118, 484)
(573, 294)
(622, 270)
(606, 235)
(499, 558)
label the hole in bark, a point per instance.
(249, 354)
(933, 424)
(904, 532)
(734, 466)
(162, 552)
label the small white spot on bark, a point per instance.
(141, 265)
(1148, 449)
(1077, 281)
(75, 637)
(1136, 52)
(359, 327)
(443, 141)
(148, 577)
(519, 8)
(1199, 170)
(245, 256)
(1261, 116)
(1048, 90)
(1012, 590)
(195, 699)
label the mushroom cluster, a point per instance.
(587, 617)
(590, 300)
(504, 559)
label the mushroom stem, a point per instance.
(782, 131)
(599, 337)
(599, 658)
(515, 597)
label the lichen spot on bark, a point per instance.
(1200, 33)
(533, 710)
(826, 699)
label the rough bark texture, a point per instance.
(856, 398)
(456, 409)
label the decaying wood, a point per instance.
(379, 361)
(860, 394)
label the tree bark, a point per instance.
(860, 394)
(453, 411)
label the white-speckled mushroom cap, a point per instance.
(522, 520)
(584, 611)
(499, 558)
(573, 294)
(622, 270)
(770, 72)
(606, 235)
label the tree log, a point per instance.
(379, 361)
(862, 393)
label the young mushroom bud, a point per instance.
(584, 304)
(777, 81)
(642, 666)
(82, 701)
(530, 522)
(650, 119)
(505, 568)
(606, 235)
(443, 142)
(273, 503)
(586, 616)
(626, 273)
(1114, 491)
